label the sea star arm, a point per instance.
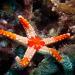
(13, 36)
(52, 51)
(27, 57)
(56, 38)
(28, 28)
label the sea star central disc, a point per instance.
(36, 42)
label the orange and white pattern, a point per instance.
(34, 42)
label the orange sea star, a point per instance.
(34, 42)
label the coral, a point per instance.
(46, 67)
(65, 8)
(67, 65)
(49, 66)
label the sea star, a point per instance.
(34, 42)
